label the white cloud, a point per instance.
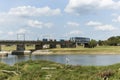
(101, 26)
(11, 20)
(48, 25)
(14, 20)
(21, 31)
(1, 32)
(39, 24)
(93, 23)
(33, 11)
(114, 14)
(74, 33)
(10, 33)
(105, 28)
(19, 16)
(72, 24)
(117, 19)
(90, 6)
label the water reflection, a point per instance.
(73, 59)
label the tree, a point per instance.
(102, 43)
(92, 43)
(114, 41)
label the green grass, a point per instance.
(32, 70)
(98, 49)
(13, 47)
(79, 49)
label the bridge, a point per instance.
(20, 44)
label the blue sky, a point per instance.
(57, 19)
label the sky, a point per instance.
(59, 19)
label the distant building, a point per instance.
(45, 40)
(80, 40)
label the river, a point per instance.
(72, 59)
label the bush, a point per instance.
(92, 44)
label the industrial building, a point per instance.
(80, 40)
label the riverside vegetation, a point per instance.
(77, 50)
(82, 50)
(46, 70)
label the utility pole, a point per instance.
(19, 35)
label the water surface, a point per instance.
(71, 59)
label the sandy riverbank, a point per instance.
(42, 52)
(4, 53)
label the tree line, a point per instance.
(112, 41)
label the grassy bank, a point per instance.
(78, 50)
(96, 50)
(44, 70)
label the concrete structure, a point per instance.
(38, 46)
(80, 40)
(4, 54)
(20, 45)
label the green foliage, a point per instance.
(3, 76)
(92, 43)
(102, 43)
(114, 41)
(32, 70)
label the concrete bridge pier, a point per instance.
(72, 45)
(38, 46)
(20, 50)
(68, 45)
(63, 45)
(52, 46)
(20, 47)
(0, 47)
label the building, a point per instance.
(80, 40)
